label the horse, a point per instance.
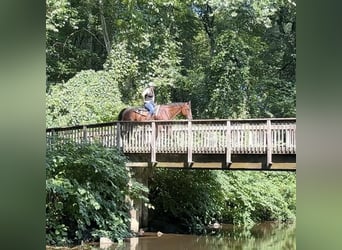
(163, 112)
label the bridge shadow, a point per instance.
(285, 162)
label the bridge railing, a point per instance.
(250, 136)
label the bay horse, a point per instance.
(163, 112)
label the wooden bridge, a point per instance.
(259, 144)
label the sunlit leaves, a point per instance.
(58, 14)
(86, 191)
(250, 70)
(196, 198)
(232, 77)
(253, 196)
(89, 97)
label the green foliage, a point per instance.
(86, 193)
(165, 70)
(74, 37)
(124, 66)
(232, 59)
(258, 196)
(193, 199)
(58, 13)
(89, 97)
(190, 198)
(250, 69)
(231, 78)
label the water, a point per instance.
(268, 235)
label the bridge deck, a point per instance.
(264, 144)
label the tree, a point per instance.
(79, 35)
(251, 68)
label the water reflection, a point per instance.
(262, 236)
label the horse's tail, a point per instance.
(121, 114)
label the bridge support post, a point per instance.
(134, 223)
(139, 212)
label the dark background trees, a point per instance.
(232, 59)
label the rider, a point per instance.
(149, 98)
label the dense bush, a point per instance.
(258, 196)
(187, 199)
(86, 193)
(193, 199)
(88, 97)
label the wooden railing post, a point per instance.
(85, 133)
(153, 143)
(269, 143)
(189, 143)
(54, 136)
(52, 139)
(228, 145)
(118, 135)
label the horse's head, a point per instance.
(186, 110)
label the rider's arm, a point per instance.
(144, 93)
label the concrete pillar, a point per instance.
(142, 175)
(134, 225)
(134, 220)
(134, 216)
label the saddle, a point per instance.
(144, 112)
